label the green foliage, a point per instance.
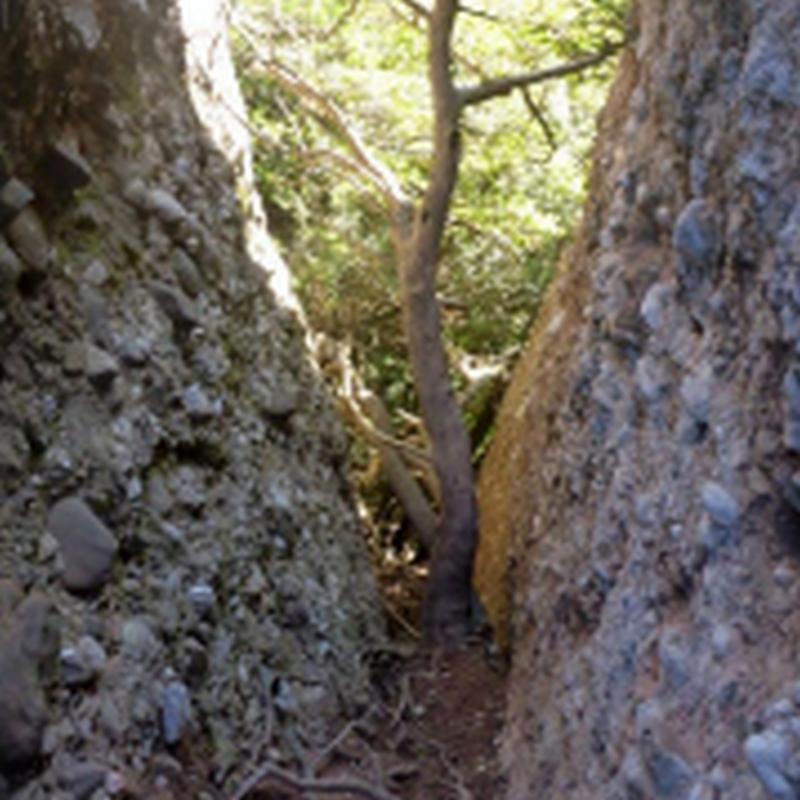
(522, 177)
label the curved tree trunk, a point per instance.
(448, 592)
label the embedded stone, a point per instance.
(720, 505)
(81, 778)
(65, 169)
(82, 664)
(87, 547)
(22, 712)
(654, 305)
(28, 643)
(27, 237)
(175, 304)
(101, 367)
(80, 16)
(14, 196)
(187, 272)
(10, 265)
(169, 210)
(768, 755)
(176, 711)
(14, 450)
(696, 392)
(791, 390)
(37, 632)
(198, 406)
(696, 239)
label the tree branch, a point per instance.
(497, 87)
(313, 98)
(311, 785)
(370, 417)
(539, 116)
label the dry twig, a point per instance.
(352, 786)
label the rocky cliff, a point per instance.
(180, 561)
(645, 471)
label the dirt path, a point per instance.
(431, 734)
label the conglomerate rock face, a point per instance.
(180, 560)
(646, 467)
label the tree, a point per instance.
(417, 230)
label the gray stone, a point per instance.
(96, 315)
(176, 711)
(101, 367)
(671, 775)
(96, 273)
(696, 239)
(10, 265)
(791, 434)
(277, 400)
(65, 169)
(198, 406)
(14, 196)
(10, 596)
(80, 16)
(22, 712)
(696, 392)
(38, 633)
(175, 304)
(720, 505)
(135, 351)
(14, 450)
(28, 642)
(27, 237)
(81, 778)
(74, 362)
(138, 643)
(202, 598)
(768, 755)
(82, 664)
(791, 390)
(169, 210)
(652, 378)
(87, 547)
(187, 272)
(655, 303)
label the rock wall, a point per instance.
(180, 560)
(645, 471)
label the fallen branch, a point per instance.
(352, 786)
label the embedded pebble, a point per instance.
(87, 546)
(176, 711)
(82, 664)
(720, 505)
(768, 755)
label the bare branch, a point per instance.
(343, 19)
(370, 417)
(418, 9)
(420, 21)
(324, 106)
(539, 116)
(270, 771)
(478, 12)
(505, 85)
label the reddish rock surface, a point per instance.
(644, 471)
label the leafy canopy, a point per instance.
(522, 175)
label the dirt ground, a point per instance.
(431, 735)
(431, 732)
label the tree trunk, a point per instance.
(645, 464)
(449, 587)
